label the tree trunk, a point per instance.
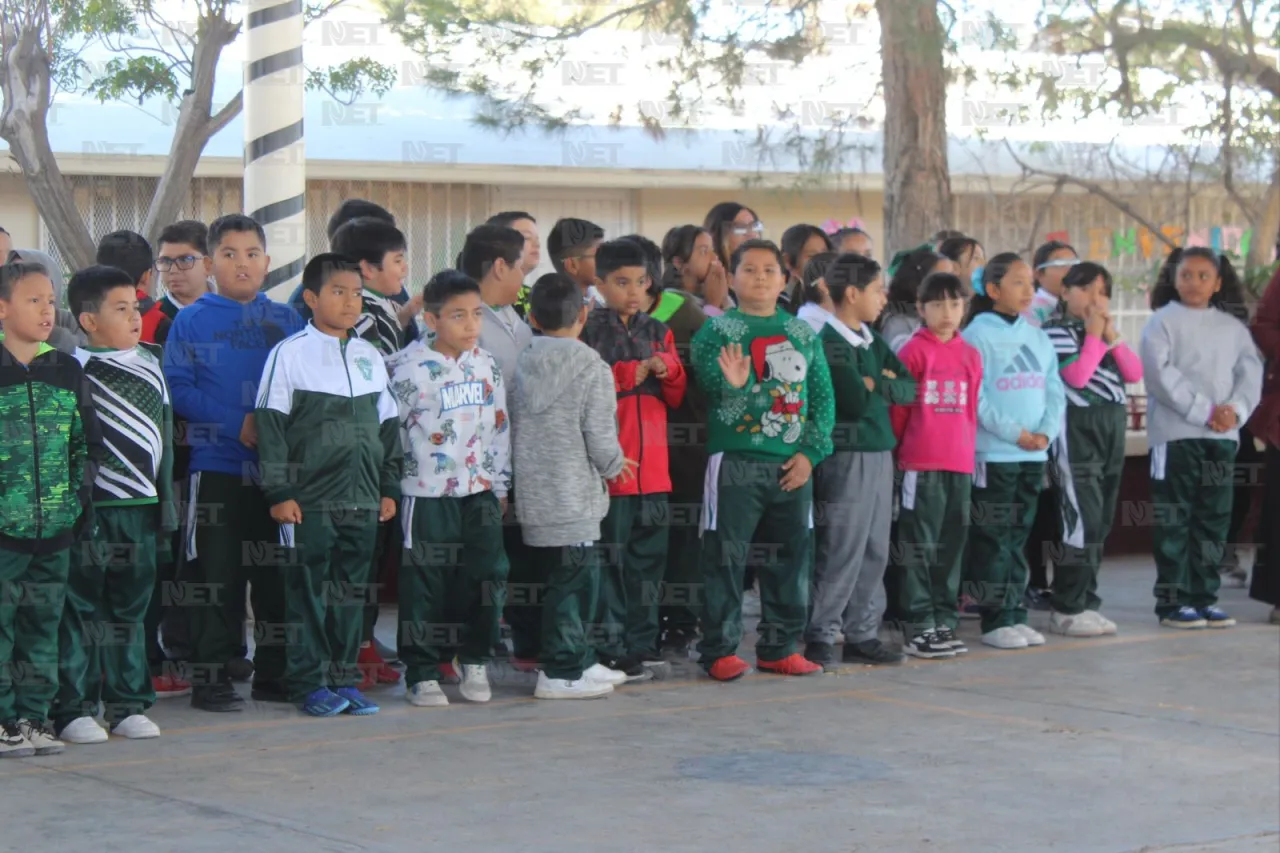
(917, 180)
(1266, 234)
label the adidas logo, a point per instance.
(1024, 372)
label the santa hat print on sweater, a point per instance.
(775, 358)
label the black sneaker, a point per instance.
(268, 690)
(823, 654)
(219, 698)
(928, 646)
(1036, 599)
(635, 670)
(239, 669)
(679, 640)
(871, 652)
(948, 637)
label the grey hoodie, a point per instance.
(504, 336)
(564, 418)
(66, 334)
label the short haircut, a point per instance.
(508, 217)
(617, 254)
(236, 223)
(368, 239)
(188, 232)
(13, 272)
(850, 270)
(446, 285)
(555, 301)
(753, 245)
(128, 251)
(322, 267)
(794, 238)
(485, 244)
(1085, 273)
(938, 286)
(652, 260)
(354, 208)
(568, 236)
(89, 287)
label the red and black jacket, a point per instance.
(642, 408)
(157, 319)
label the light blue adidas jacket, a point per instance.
(1021, 387)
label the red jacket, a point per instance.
(938, 432)
(1265, 422)
(157, 320)
(642, 408)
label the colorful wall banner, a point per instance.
(1106, 244)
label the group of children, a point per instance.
(605, 460)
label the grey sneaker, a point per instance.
(40, 734)
(13, 743)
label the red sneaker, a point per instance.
(170, 686)
(525, 664)
(729, 668)
(448, 675)
(372, 665)
(790, 665)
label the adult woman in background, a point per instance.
(1265, 424)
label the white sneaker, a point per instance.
(1031, 635)
(475, 682)
(1108, 627)
(41, 737)
(563, 688)
(13, 744)
(600, 672)
(427, 694)
(135, 727)
(1005, 638)
(83, 730)
(1074, 625)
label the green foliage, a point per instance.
(351, 79)
(136, 77)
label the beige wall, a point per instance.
(18, 212)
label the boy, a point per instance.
(184, 265)
(770, 418)
(854, 486)
(648, 378)
(566, 441)
(379, 247)
(573, 244)
(530, 256)
(213, 361)
(113, 576)
(453, 416)
(130, 251)
(329, 444)
(936, 449)
(52, 443)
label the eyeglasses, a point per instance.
(183, 263)
(743, 230)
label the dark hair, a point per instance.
(752, 245)
(850, 270)
(485, 244)
(717, 219)
(1045, 250)
(794, 239)
(813, 271)
(993, 273)
(2, 231)
(446, 285)
(368, 239)
(616, 254)
(89, 287)
(945, 234)
(507, 217)
(555, 301)
(838, 236)
(128, 251)
(678, 243)
(938, 286)
(652, 261)
(356, 208)
(904, 287)
(954, 248)
(187, 232)
(322, 267)
(1230, 296)
(569, 235)
(1085, 273)
(237, 223)
(14, 271)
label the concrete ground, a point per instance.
(1153, 740)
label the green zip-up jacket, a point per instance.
(49, 449)
(328, 428)
(862, 414)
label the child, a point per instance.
(907, 269)
(530, 255)
(799, 244)
(456, 434)
(1049, 264)
(564, 411)
(649, 379)
(771, 415)
(1204, 379)
(853, 487)
(380, 249)
(329, 445)
(1020, 407)
(104, 654)
(966, 254)
(572, 245)
(130, 251)
(816, 305)
(184, 266)
(855, 240)
(690, 265)
(213, 361)
(52, 443)
(936, 439)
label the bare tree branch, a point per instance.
(1058, 184)
(223, 117)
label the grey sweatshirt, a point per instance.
(504, 336)
(564, 421)
(1192, 361)
(897, 329)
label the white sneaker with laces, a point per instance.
(135, 727)
(426, 694)
(13, 744)
(562, 688)
(601, 673)
(1031, 635)
(1108, 627)
(41, 737)
(83, 730)
(1074, 624)
(475, 682)
(1005, 638)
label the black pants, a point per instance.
(1248, 460)
(1265, 584)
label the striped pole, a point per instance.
(275, 170)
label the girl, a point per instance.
(1204, 379)
(691, 266)
(1050, 262)
(852, 240)
(799, 244)
(967, 254)
(730, 225)
(1089, 455)
(816, 305)
(900, 318)
(1020, 407)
